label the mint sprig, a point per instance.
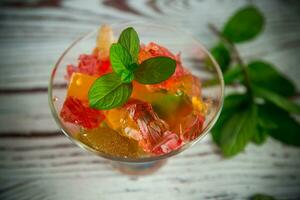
(265, 107)
(108, 92)
(114, 89)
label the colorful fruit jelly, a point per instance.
(157, 119)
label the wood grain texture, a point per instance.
(38, 162)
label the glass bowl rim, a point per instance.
(204, 132)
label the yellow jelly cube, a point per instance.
(79, 86)
(119, 120)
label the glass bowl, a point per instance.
(195, 57)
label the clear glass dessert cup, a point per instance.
(195, 57)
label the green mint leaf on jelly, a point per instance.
(155, 70)
(277, 100)
(108, 92)
(127, 77)
(262, 197)
(265, 75)
(132, 67)
(286, 128)
(244, 25)
(222, 56)
(129, 39)
(114, 89)
(121, 61)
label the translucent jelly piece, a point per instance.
(138, 121)
(79, 86)
(200, 106)
(189, 127)
(104, 40)
(89, 64)
(119, 120)
(78, 112)
(170, 141)
(163, 102)
(92, 65)
(110, 142)
(153, 130)
(187, 84)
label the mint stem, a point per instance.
(235, 55)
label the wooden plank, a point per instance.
(25, 113)
(192, 172)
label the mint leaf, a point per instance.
(129, 39)
(287, 128)
(108, 92)
(132, 67)
(278, 100)
(222, 56)
(233, 74)
(244, 25)
(260, 136)
(262, 197)
(265, 75)
(264, 126)
(263, 119)
(232, 103)
(121, 60)
(155, 70)
(127, 76)
(238, 130)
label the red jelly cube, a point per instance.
(78, 112)
(155, 136)
(169, 142)
(90, 65)
(190, 127)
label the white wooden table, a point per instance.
(38, 162)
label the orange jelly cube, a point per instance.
(79, 86)
(119, 120)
